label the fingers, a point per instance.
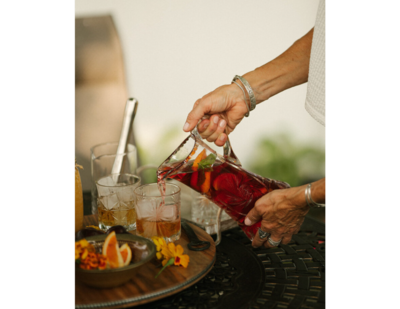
(200, 108)
(202, 126)
(257, 241)
(214, 130)
(276, 240)
(286, 239)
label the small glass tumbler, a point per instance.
(158, 215)
(116, 201)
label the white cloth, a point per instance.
(315, 99)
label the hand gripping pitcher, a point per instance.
(218, 177)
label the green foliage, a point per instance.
(281, 159)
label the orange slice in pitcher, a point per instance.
(200, 157)
(111, 251)
(205, 187)
(126, 254)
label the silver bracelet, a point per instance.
(248, 89)
(309, 200)
(245, 100)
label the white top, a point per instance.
(315, 99)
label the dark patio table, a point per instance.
(288, 276)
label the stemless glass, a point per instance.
(102, 160)
(116, 201)
(158, 215)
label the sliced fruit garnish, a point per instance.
(126, 254)
(232, 191)
(226, 181)
(111, 251)
(206, 183)
(200, 157)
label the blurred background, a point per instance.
(168, 54)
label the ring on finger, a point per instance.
(273, 242)
(262, 234)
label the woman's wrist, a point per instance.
(262, 82)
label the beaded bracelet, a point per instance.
(247, 105)
(309, 200)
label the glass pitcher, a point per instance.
(218, 177)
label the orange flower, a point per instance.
(86, 256)
(180, 259)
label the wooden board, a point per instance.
(144, 287)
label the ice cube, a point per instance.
(147, 209)
(110, 201)
(167, 213)
(125, 194)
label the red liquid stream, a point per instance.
(230, 187)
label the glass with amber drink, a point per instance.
(158, 214)
(116, 200)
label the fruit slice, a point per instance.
(200, 157)
(111, 251)
(205, 187)
(126, 254)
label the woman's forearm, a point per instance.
(318, 191)
(287, 70)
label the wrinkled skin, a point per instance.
(281, 213)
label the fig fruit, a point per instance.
(86, 232)
(118, 229)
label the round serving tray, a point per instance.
(144, 288)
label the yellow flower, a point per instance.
(160, 244)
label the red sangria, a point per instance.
(226, 184)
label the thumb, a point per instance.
(201, 107)
(252, 217)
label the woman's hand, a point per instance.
(227, 108)
(281, 213)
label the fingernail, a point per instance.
(222, 123)
(216, 119)
(205, 126)
(247, 221)
(221, 137)
(186, 126)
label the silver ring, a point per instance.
(273, 242)
(262, 234)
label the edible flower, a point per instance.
(160, 243)
(170, 254)
(86, 256)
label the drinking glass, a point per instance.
(158, 215)
(102, 160)
(204, 212)
(116, 200)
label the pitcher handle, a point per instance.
(219, 213)
(227, 148)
